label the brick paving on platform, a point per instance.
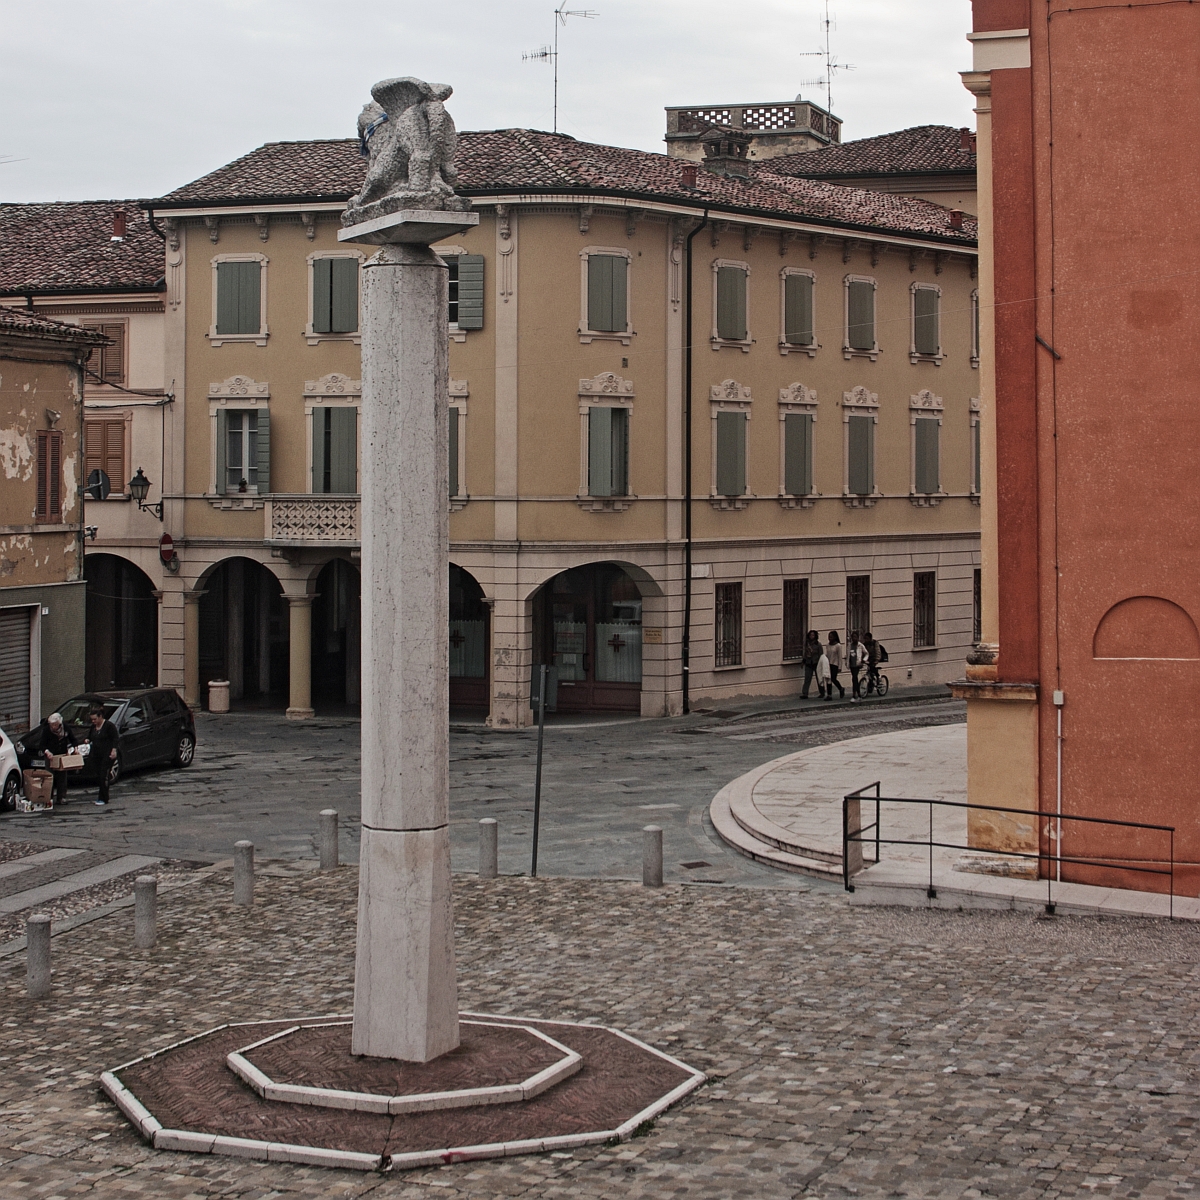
(865, 1052)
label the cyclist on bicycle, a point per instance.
(876, 654)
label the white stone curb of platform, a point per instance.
(290, 1093)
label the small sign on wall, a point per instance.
(651, 637)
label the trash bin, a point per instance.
(218, 695)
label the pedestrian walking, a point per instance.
(811, 656)
(856, 658)
(872, 660)
(56, 738)
(833, 652)
(103, 740)
(824, 687)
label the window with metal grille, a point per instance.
(727, 650)
(977, 608)
(49, 475)
(858, 604)
(924, 609)
(795, 618)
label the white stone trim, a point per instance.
(848, 351)
(975, 419)
(924, 406)
(715, 339)
(795, 398)
(311, 335)
(587, 335)
(459, 393)
(786, 347)
(975, 314)
(240, 393)
(1000, 49)
(913, 355)
(259, 338)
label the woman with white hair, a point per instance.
(57, 738)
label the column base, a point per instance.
(300, 714)
(405, 992)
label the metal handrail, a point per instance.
(873, 791)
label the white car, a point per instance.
(10, 773)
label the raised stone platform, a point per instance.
(291, 1091)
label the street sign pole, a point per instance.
(537, 785)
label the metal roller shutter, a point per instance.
(14, 669)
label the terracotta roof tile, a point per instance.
(922, 150)
(18, 320)
(524, 160)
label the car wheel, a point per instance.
(114, 770)
(186, 751)
(12, 789)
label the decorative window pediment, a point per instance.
(729, 391)
(796, 395)
(240, 388)
(926, 401)
(333, 384)
(607, 384)
(860, 397)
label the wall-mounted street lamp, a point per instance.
(139, 489)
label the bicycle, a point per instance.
(877, 681)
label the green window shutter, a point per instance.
(861, 435)
(600, 446)
(620, 451)
(797, 453)
(344, 295)
(602, 282)
(927, 455)
(470, 291)
(925, 320)
(322, 314)
(620, 294)
(454, 451)
(731, 303)
(978, 462)
(222, 442)
(249, 309)
(798, 310)
(227, 297)
(264, 451)
(731, 454)
(860, 315)
(343, 449)
(319, 418)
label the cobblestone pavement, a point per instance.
(259, 776)
(851, 1052)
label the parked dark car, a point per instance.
(153, 726)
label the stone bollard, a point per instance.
(489, 851)
(145, 911)
(37, 956)
(243, 873)
(652, 861)
(329, 839)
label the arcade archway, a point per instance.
(470, 656)
(122, 624)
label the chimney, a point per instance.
(727, 151)
(689, 175)
(118, 233)
(966, 140)
(956, 218)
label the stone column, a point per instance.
(299, 658)
(405, 993)
(191, 648)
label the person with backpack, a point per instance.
(856, 658)
(833, 652)
(810, 658)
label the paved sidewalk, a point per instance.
(851, 1052)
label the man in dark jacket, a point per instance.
(56, 738)
(812, 656)
(103, 739)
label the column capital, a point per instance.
(193, 596)
(298, 601)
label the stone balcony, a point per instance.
(311, 520)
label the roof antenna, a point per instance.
(550, 53)
(828, 24)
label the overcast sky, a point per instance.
(131, 98)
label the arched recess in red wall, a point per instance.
(1146, 627)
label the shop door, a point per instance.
(14, 669)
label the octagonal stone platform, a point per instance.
(191, 1097)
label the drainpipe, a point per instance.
(687, 473)
(1058, 705)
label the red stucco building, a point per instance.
(1089, 183)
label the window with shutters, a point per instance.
(730, 453)
(976, 451)
(727, 625)
(464, 285)
(858, 605)
(926, 318)
(924, 610)
(606, 290)
(860, 414)
(731, 286)
(104, 440)
(106, 364)
(795, 618)
(608, 451)
(241, 451)
(49, 476)
(797, 331)
(798, 453)
(335, 449)
(333, 286)
(975, 329)
(860, 339)
(925, 420)
(239, 299)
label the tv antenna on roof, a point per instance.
(550, 53)
(829, 23)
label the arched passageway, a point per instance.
(244, 633)
(122, 624)
(469, 642)
(587, 622)
(336, 635)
